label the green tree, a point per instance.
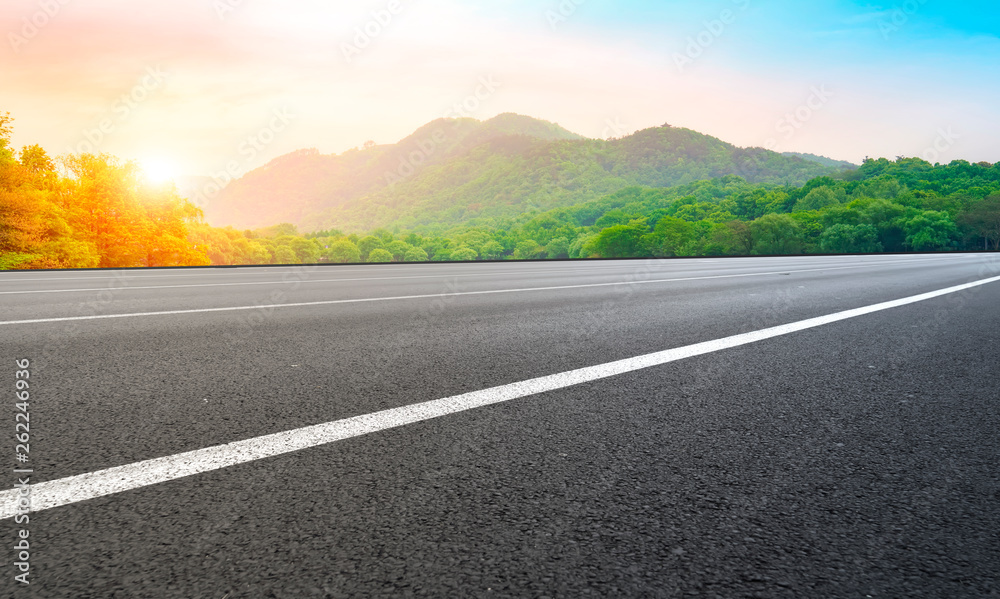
(385, 235)
(307, 250)
(441, 255)
(734, 238)
(285, 255)
(776, 234)
(817, 199)
(257, 254)
(557, 249)
(670, 236)
(850, 239)
(621, 241)
(415, 254)
(983, 221)
(282, 230)
(343, 251)
(463, 254)
(930, 231)
(398, 249)
(580, 248)
(369, 244)
(379, 255)
(529, 249)
(493, 250)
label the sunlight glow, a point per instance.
(158, 171)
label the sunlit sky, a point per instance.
(191, 86)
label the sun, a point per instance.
(157, 170)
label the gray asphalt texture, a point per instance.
(858, 459)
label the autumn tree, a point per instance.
(129, 226)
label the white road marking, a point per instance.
(400, 267)
(139, 273)
(436, 295)
(66, 491)
(294, 281)
(307, 281)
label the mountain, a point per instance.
(455, 170)
(297, 185)
(830, 162)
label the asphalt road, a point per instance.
(855, 459)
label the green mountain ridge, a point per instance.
(462, 170)
(831, 162)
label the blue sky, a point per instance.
(842, 79)
(823, 36)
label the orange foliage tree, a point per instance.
(97, 213)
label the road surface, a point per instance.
(639, 429)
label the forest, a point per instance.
(465, 171)
(87, 211)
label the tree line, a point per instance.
(86, 211)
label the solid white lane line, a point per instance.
(306, 281)
(73, 489)
(430, 296)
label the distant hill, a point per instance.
(830, 162)
(453, 170)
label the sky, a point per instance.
(196, 87)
